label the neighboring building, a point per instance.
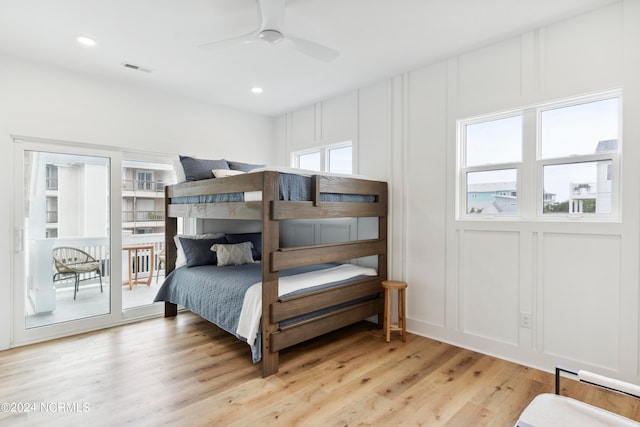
(142, 198)
(599, 192)
(492, 198)
(500, 197)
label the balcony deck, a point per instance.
(50, 303)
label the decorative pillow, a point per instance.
(233, 254)
(244, 167)
(221, 173)
(254, 238)
(197, 169)
(197, 251)
(181, 258)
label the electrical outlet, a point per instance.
(525, 320)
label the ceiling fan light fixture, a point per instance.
(271, 36)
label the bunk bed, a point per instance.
(286, 320)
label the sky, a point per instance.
(564, 132)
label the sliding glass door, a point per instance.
(88, 237)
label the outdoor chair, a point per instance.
(75, 262)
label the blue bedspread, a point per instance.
(216, 293)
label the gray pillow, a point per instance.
(197, 169)
(244, 167)
(233, 254)
(197, 251)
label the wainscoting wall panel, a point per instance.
(490, 266)
(581, 297)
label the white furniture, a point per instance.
(551, 410)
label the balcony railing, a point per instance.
(583, 190)
(41, 289)
(52, 217)
(136, 185)
(52, 183)
(142, 216)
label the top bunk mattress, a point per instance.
(293, 187)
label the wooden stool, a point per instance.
(400, 326)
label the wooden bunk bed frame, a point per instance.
(270, 211)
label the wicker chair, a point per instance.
(75, 262)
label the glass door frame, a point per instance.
(21, 335)
(150, 310)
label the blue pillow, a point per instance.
(244, 167)
(197, 169)
(198, 251)
(254, 238)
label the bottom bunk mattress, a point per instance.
(231, 296)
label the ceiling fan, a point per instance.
(272, 16)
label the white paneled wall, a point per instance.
(303, 128)
(324, 123)
(490, 77)
(489, 263)
(333, 127)
(583, 52)
(581, 297)
(308, 232)
(536, 292)
(426, 220)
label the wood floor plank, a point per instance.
(185, 371)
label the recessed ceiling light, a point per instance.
(256, 90)
(86, 41)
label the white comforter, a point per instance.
(252, 305)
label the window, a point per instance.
(52, 177)
(579, 146)
(337, 158)
(340, 160)
(144, 180)
(492, 158)
(561, 157)
(311, 161)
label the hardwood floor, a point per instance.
(187, 372)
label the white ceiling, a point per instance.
(377, 39)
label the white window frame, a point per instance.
(324, 155)
(145, 182)
(530, 171)
(581, 158)
(464, 170)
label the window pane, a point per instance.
(143, 226)
(493, 142)
(580, 129)
(578, 188)
(310, 161)
(340, 160)
(492, 192)
(67, 226)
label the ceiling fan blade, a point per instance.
(314, 50)
(271, 14)
(221, 44)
